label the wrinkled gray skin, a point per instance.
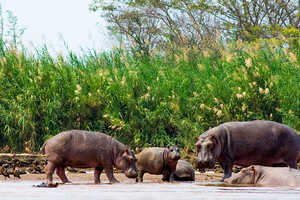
(184, 171)
(266, 176)
(157, 160)
(245, 143)
(83, 149)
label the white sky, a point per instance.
(48, 21)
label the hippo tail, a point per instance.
(42, 149)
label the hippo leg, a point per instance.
(97, 173)
(227, 167)
(171, 179)
(166, 176)
(110, 175)
(292, 163)
(49, 169)
(140, 176)
(60, 171)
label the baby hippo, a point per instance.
(266, 176)
(158, 160)
(184, 172)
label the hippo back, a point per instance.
(151, 160)
(184, 171)
(78, 147)
(277, 142)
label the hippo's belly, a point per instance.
(256, 161)
(80, 164)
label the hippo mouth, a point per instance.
(205, 164)
(131, 173)
(175, 158)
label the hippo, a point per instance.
(184, 171)
(256, 142)
(84, 149)
(158, 160)
(266, 176)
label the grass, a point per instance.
(152, 100)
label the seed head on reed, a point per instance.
(267, 91)
(209, 86)
(196, 94)
(3, 61)
(216, 100)
(248, 62)
(200, 66)
(202, 106)
(244, 107)
(228, 59)
(292, 57)
(123, 81)
(219, 113)
(239, 96)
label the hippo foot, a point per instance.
(222, 179)
(165, 179)
(45, 185)
(113, 180)
(69, 182)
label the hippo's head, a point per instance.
(247, 175)
(174, 153)
(208, 149)
(127, 162)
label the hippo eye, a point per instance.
(210, 145)
(172, 150)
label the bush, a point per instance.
(151, 100)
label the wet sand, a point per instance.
(88, 176)
(82, 188)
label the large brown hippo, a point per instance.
(184, 171)
(158, 160)
(83, 149)
(266, 176)
(245, 143)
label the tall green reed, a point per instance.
(145, 100)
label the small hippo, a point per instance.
(184, 171)
(157, 160)
(245, 143)
(83, 149)
(266, 176)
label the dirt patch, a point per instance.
(89, 176)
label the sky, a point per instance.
(52, 22)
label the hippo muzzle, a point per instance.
(202, 164)
(131, 173)
(176, 156)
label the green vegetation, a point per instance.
(144, 99)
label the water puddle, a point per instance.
(23, 190)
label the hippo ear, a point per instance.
(126, 152)
(169, 147)
(196, 138)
